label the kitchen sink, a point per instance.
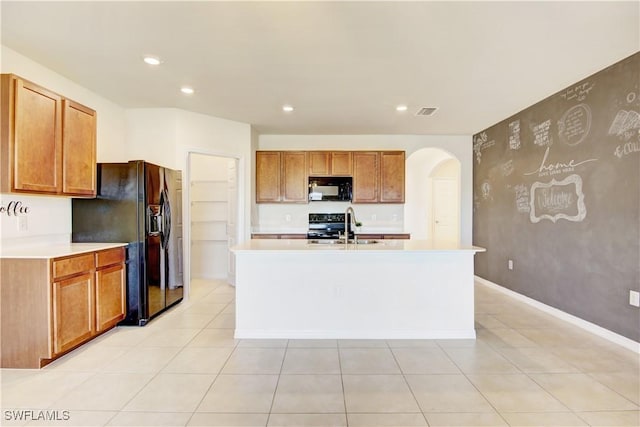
(341, 242)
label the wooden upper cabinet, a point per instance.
(268, 167)
(31, 137)
(48, 143)
(294, 177)
(341, 163)
(281, 176)
(365, 176)
(330, 163)
(79, 149)
(392, 176)
(378, 177)
(319, 163)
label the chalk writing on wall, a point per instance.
(514, 135)
(625, 125)
(486, 190)
(578, 92)
(541, 134)
(522, 198)
(477, 143)
(546, 169)
(627, 148)
(558, 200)
(574, 125)
(481, 143)
(507, 168)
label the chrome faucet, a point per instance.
(348, 211)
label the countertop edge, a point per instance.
(55, 251)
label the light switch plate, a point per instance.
(634, 298)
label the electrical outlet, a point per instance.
(287, 218)
(374, 217)
(510, 264)
(22, 223)
(634, 298)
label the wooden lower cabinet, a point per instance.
(73, 312)
(110, 297)
(50, 306)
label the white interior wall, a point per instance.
(152, 136)
(458, 146)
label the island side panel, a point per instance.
(351, 295)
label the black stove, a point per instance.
(327, 226)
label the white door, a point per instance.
(232, 219)
(446, 223)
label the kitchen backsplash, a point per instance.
(295, 217)
(34, 219)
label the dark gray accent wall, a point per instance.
(557, 191)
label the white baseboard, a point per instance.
(587, 326)
(348, 334)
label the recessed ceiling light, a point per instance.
(287, 108)
(187, 90)
(401, 108)
(151, 60)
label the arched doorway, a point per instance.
(432, 172)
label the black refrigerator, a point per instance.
(138, 203)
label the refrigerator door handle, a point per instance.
(154, 220)
(166, 218)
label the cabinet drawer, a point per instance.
(73, 265)
(109, 257)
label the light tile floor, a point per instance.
(526, 368)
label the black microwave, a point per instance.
(330, 188)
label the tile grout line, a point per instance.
(275, 390)
(415, 399)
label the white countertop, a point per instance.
(299, 245)
(55, 250)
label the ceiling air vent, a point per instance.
(426, 111)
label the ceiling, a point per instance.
(344, 66)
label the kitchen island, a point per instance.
(392, 289)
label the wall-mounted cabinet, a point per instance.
(330, 163)
(281, 177)
(48, 142)
(392, 176)
(378, 176)
(366, 175)
(268, 165)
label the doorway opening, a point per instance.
(433, 195)
(213, 216)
